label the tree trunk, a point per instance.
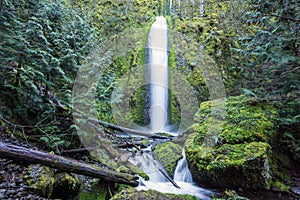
(17, 153)
(127, 130)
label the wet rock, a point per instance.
(2, 192)
(296, 191)
(93, 189)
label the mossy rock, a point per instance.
(41, 179)
(94, 189)
(133, 194)
(65, 186)
(231, 195)
(232, 166)
(168, 154)
(46, 184)
(240, 155)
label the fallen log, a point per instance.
(78, 150)
(120, 128)
(22, 154)
(127, 130)
(169, 178)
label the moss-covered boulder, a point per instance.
(168, 154)
(50, 185)
(231, 195)
(41, 179)
(240, 156)
(65, 186)
(134, 194)
(95, 189)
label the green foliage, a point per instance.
(114, 16)
(42, 46)
(292, 144)
(255, 46)
(274, 63)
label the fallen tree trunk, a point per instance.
(120, 128)
(17, 153)
(127, 130)
(78, 150)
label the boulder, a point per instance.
(134, 194)
(50, 185)
(168, 154)
(229, 145)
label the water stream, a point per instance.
(158, 72)
(157, 180)
(182, 172)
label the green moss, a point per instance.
(230, 195)
(279, 186)
(168, 154)
(65, 186)
(91, 195)
(41, 179)
(243, 122)
(133, 194)
(97, 190)
(145, 143)
(242, 151)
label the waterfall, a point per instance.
(201, 8)
(182, 172)
(148, 165)
(158, 68)
(158, 75)
(157, 181)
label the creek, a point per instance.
(159, 182)
(182, 181)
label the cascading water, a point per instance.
(158, 67)
(182, 172)
(157, 180)
(201, 8)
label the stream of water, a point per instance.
(159, 79)
(158, 181)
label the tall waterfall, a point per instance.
(158, 68)
(158, 77)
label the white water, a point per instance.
(158, 182)
(158, 67)
(171, 5)
(182, 172)
(201, 8)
